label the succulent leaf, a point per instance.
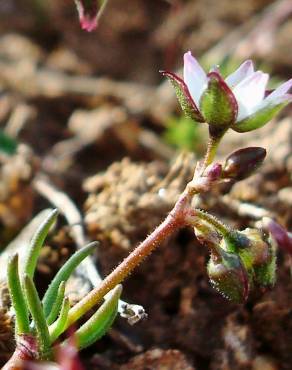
(17, 297)
(63, 275)
(60, 324)
(100, 322)
(36, 310)
(32, 253)
(57, 304)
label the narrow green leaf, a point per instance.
(31, 256)
(57, 304)
(35, 308)
(60, 324)
(64, 274)
(100, 322)
(17, 297)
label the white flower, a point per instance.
(241, 101)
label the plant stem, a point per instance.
(210, 219)
(213, 142)
(233, 238)
(26, 350)
(175, 220)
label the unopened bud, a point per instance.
(243, 162)
(228, 276)
(281, 236)
(259, 258)
(89, 12)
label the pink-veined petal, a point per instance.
(194, 77)
(243, 71)
(250, 93)
(276, 100)
(281, 90)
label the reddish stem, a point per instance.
(26, 350)
(175, 220)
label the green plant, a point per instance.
(240, 261)
(182, 133)
(39, 323)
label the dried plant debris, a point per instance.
(7, 342)
(130, 199)
(158, 359)
(238, 351)
(16, 195)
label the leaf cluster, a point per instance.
(47, 319)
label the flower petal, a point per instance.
(281, 90)
(194, 77)
(184, 97)
(249, 93)
(243, 71)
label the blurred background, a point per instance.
(90, 115)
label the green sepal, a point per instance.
(228, 276)
(17, 297)
(63, 275)
(184, 97)
(258, 119)
(57, 304)
(100, 322)
(259, 258)
(33, 251)
(218, 104)
(58, 328)
(36, 311)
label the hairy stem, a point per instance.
(174, 221)
(26, 350)
(213, 143)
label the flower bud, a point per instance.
(87, 11)
(281, 236)
(228, 276)
(259, 258)
(243, 162)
